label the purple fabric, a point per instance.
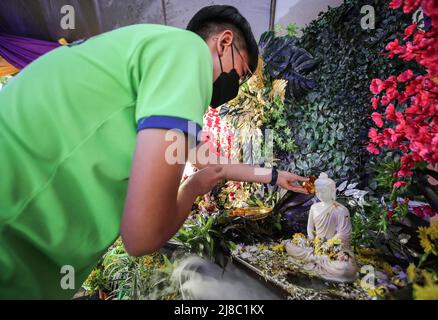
(20, 51)
(427, 22)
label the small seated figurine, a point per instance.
(326, 252)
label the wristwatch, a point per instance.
(274, 176)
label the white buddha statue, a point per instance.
(326, 252)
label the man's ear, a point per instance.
(225, 39)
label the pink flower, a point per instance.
(410, 5)
(405, 76)
(403, 97)
(412, 110)
(410, 30)
(372, 134)
(377, 118)
(372, 148)
(390, 112)
(376, 86)
(399, 184)
(408, 53)
(395, 4)
(375, 102)
(386, 99)
(394, 48)
(404, 172)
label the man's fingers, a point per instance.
(299, 178)
(297, 189)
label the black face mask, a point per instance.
(226, 86)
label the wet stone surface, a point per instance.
(277, 267)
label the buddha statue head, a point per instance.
(325, 188)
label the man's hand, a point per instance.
(289, 181)
(203, 181)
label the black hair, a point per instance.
(214, 19)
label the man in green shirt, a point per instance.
(83, 148)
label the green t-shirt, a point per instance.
(68, 125)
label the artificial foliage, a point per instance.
(329, 125)
(405, 104)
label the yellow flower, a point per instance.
(334, 242)
(333, 255)
(297, 237)
(377, 292)
(429, 278)
(280, 248)
(388, 269)
(398, 282)
(411, 272)
(428, 292)
(148, 261)
(317, 241)
(262, 247)
(429, 238)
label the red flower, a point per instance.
(405, 76)
(389, 214)
(376, 86)
(410, 30)
(372, 134)
(419, 212)
(395, 4)
(410, 5)
(431, 10)
(399, 184)
(403, 97)
(412, 110)
(390, 112)
(394, 48)
(429, 211)
(386, 99)
(377, 118)
(408, 52)
(404, 172)
(375, 102)
(372, 148)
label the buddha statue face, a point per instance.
(325, 188)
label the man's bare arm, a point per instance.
(202, 157)
(156, 204)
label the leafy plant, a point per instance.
(125, 277)
(291, 29)
(284, 60)
(197, 235)
(329, 124)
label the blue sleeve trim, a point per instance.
(189, 127)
